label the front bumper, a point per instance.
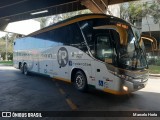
(134, 85)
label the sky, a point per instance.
(2, 34)
(24, 27)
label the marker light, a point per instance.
(125, 88)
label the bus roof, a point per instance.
(74, 20)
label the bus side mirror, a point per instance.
(150, 39)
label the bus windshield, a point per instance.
(114, 42)
(131, 55)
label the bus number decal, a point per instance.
(62, 56)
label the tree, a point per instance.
(46, 21)
(154, 11)
(6, 46)
(131, 12)
(135, 11)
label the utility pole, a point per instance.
(6, 39)
(159, 40)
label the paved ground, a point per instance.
(36, 93)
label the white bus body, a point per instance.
(67, 52)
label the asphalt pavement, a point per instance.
(37, 93)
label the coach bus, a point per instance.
(93, 50)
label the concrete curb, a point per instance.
(5, 65)
(154, 75)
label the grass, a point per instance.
(6, 62)
(153, 69)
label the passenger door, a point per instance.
(103, 52)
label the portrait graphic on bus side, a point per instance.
(62, 56)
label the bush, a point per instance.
(10, 55)
(158, 62)
(152, 61)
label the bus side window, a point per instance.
(76, 38)
(58, 36)
(87, 29)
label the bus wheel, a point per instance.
(80, 81)
(25, 69)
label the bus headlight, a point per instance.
(125, 88)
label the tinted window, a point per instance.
(104, 50)
(75, 37)
(61, 35)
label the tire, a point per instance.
(80, 81)
(25, 69)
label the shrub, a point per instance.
(158, 62)
(152, 61)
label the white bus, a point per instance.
(94, 50)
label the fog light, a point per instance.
(125, 88)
